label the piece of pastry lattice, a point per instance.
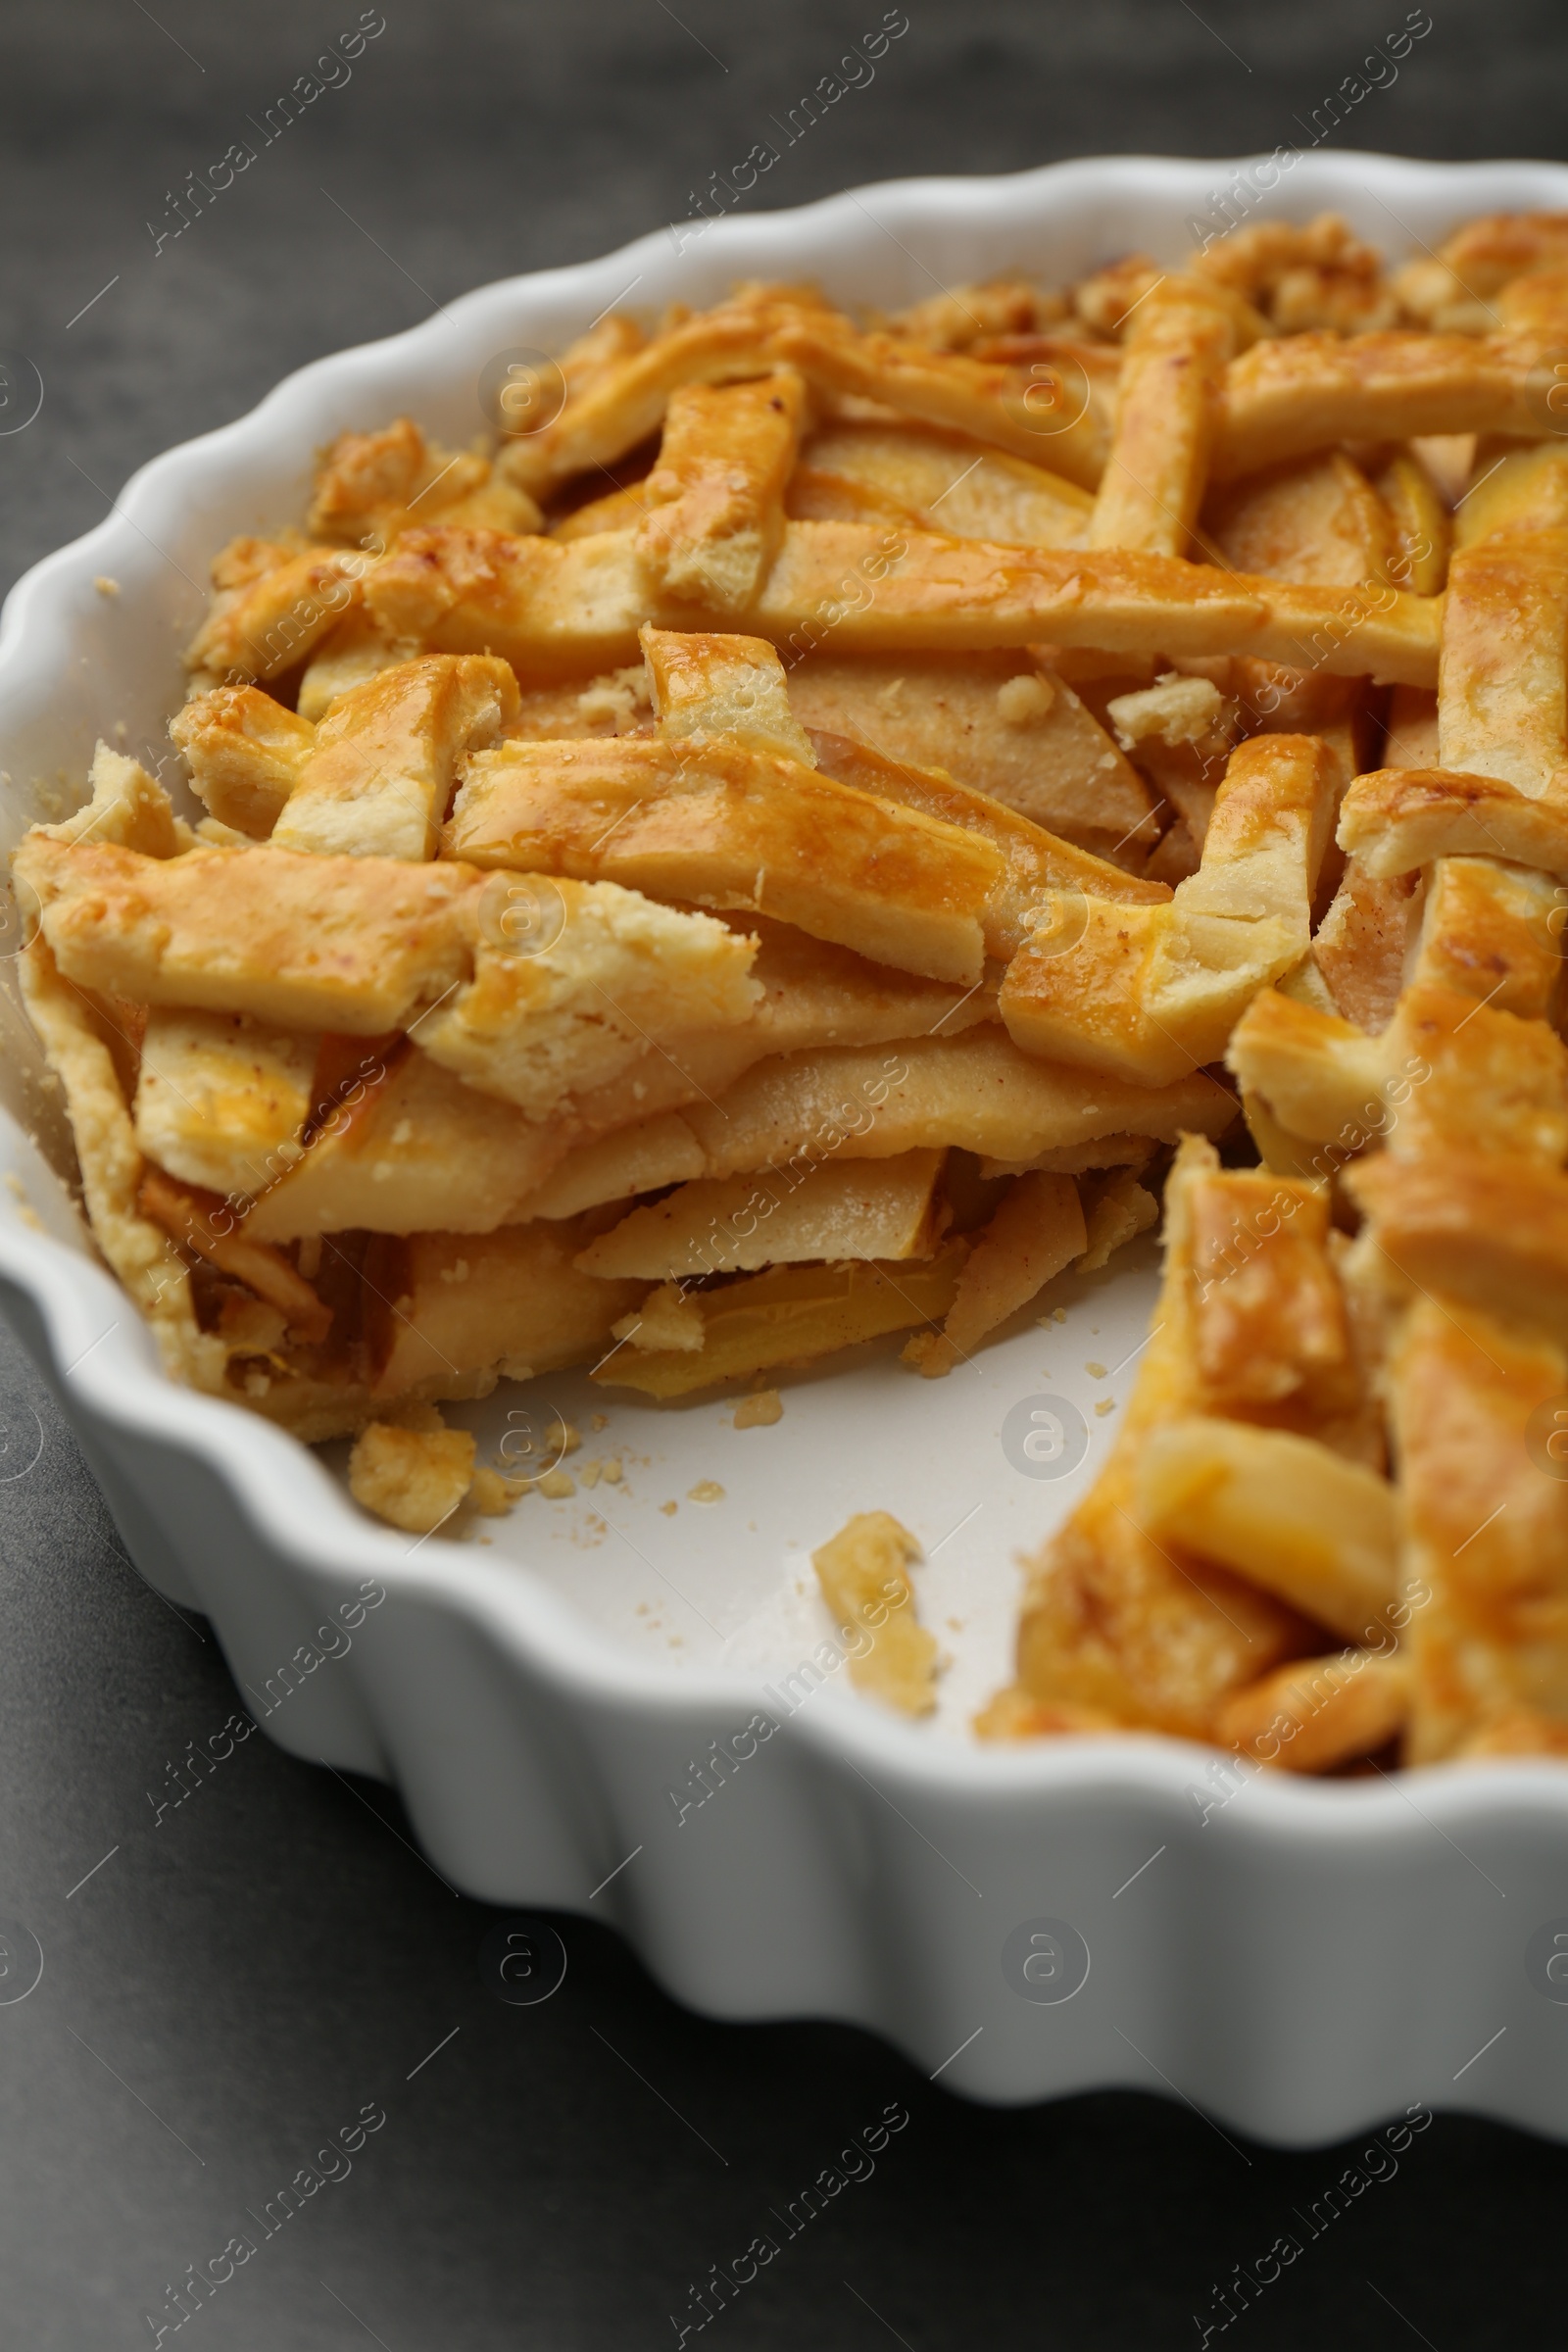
(1409, 1067)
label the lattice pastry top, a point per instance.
(783, 854)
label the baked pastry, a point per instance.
(968, 770)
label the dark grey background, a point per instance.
(237, 1982)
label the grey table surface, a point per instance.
(227, 1985)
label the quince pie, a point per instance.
(810, 844)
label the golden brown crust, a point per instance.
(1174, 366)
(730, 827)
(139, 1252)
(1268, 1325)
(326, 943)
(1317, 275)
(1474, 1227)
(245, 751)
(1150, 992)
(370, 486)
(1491, 931)
(1485, 1573)
(1502, 687)
(1115, 1621)
(1041, 873)
(1319, 1712)
(318, 1079)
(1457, 285)
(380, 772)
(282, 605)
(714, 502)
(220, 1099)
(1515, 488)
(703, 684)
(619, 400)
(1317, 1528)
(549, 608)
(1297, 393)
(1001, 305)
(950, 594)
(1398, 819)
(1045, 413)
(1447, 1070)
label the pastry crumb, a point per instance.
(413, 1478)
(1174, 710)
(491, 1494)
(663, 1320)
(864, 1579)
(706, 1490)
(557, 1486)
(589, 1472)
(760, 1411)
(612, 1471)
(1022, 699)
(599, 1421)
(1096, 1371)
(105, 585)
(1105, 1406)
(669, 1509)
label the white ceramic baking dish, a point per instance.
(616, 1714)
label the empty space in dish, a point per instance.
(980, 1466)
